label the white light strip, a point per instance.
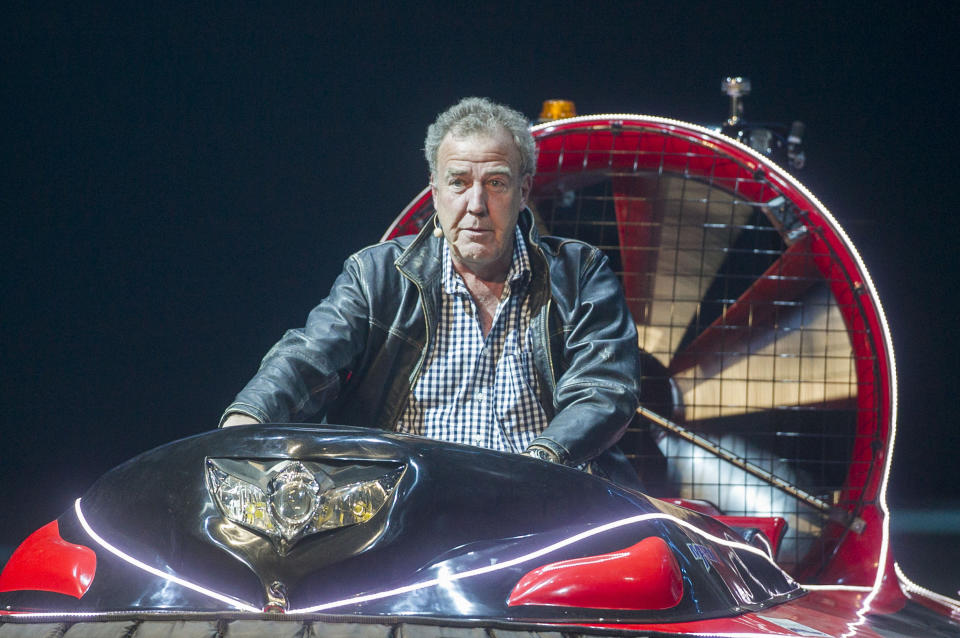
(527, 557)
(857, 588)
(400, 590)
(914, 588)
(83, 615)
(233, 602)
(763, 539)
(424, 584)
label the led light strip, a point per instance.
(914, 588)
(763, 539)
(416, 586)
(858, 588)
(399, 590)
(85, 615)
(233, 602)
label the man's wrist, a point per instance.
(542, 453)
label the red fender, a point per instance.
(46, 562)
(644, 576)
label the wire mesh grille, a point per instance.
(745, 343)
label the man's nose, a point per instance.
(477, 201)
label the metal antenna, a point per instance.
(735, 87)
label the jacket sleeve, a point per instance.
(597, 389)
(302, 373)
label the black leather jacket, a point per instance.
(363, 347)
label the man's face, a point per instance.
(478, 193)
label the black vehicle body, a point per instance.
(454, 509)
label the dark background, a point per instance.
(181, 183)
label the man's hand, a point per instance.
(238, 418)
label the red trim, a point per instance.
(406, 222)
(46, 562)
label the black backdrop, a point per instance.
(182, 183)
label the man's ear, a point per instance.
(526, 185)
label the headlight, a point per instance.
(352, 504)
(291, 499)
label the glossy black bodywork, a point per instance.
(455, 508)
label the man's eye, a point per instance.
(497, 184)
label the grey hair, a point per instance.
(479, 115)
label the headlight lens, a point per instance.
(291, 499)
(352, 504)
(294, 502)
(241, 502)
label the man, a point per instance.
(475, 331)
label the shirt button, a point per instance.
(479, 396)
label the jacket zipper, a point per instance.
(423, 355)
(546, 329)
(426, 339)
(546, 316)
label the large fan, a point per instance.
(768, 387)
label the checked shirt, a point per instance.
(473, 390)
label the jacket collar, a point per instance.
(422, 260)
